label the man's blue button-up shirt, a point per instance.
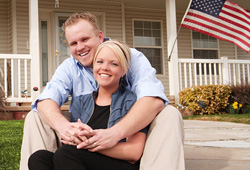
(71, 78)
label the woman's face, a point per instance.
(107, 69)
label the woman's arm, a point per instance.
(131, 150)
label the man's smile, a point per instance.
(85, 53)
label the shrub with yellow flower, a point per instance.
(234, 108)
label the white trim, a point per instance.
(171, 37)
(34, 47)
(14, 42)
(15, 56)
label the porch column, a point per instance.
(34, 47)
(171, 36)
(225, 71)
(14, 45)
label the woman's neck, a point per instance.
(104, 96)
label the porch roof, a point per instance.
(180, 4)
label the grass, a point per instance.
(236, 118)
(11, 133)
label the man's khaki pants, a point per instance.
(163, 150)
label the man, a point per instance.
(75, 77)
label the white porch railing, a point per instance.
(15, 76)
(212, 71)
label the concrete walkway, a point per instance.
(212, 145)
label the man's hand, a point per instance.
(71, 133)
(100, 139)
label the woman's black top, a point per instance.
(100, 117)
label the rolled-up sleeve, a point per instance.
(59, 87)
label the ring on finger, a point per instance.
(95, 144)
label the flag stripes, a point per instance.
(232, 23)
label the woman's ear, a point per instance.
(124, 72)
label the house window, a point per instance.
(204, 47)
(148, 40)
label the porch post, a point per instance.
(225, 71)
(171, 36)
(14, 45)
(34, 47)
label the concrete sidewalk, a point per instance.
(212, 145)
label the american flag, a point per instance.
(221, 19)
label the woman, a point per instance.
(100, 110)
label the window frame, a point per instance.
(161, 47)
(204, 48)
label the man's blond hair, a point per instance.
(76, 17)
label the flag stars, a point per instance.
(211, 7)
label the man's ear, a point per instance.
(101, 37)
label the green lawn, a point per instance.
(236, 118)
(11, 133)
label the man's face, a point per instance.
(83, 41)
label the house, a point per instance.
(32, 44)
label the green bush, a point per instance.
(208, 99)
(240, 94)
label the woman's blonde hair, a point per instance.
(120, 49)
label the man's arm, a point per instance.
(141, 114)
(52, 115)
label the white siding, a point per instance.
(10, 40)
(242, 55)
(4, 38)
(227, 49)
(184, 39)
(22, 19)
